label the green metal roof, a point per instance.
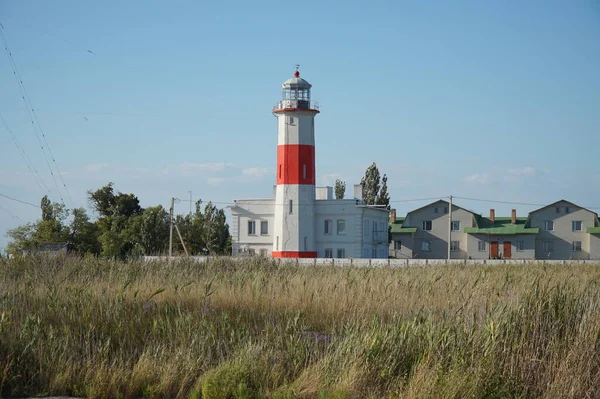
(396, 228)
(501, 226)
(593, 230)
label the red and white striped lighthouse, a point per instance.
(294, 222)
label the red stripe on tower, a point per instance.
(296, 164)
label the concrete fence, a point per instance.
(378, 262)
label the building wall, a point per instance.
(252, 210)
(594, 246)
(406, 246)
(438, 236)
(293, 231)
(563, 235)
(528, 240)
(357, 240)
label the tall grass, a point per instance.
(108, 329)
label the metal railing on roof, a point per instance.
(302, 104)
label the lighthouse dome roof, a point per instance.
(296, 82)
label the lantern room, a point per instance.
(296, 94)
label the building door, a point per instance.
(507, 250)
(494, 249)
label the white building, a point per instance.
(301, 220)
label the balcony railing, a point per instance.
(303, 104)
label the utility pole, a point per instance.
(171, 228)
(449, 227)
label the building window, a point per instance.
(481, 246)
(426, 246)
(454, 246)
(328, 252)
(520, 246)
(455, 225)
(576, 225)
(291, 207)
(445, 209)
(304, 171)
(264, 227)
(567, 210)
(548, 246)
(577, 246)
(341, 226)
(374, 253)
(251, 227)
(341, 253)
(549, 225)
(327, 227)
(427, 225)
(435, 210)
(558, 209)
(398, 245)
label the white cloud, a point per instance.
(94, 167)
(255, 172)
(479, 178)
(526, 171)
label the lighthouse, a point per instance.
(294, 213)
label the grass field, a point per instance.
(109, 329)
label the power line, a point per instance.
(20, 201)
(30, 165)
(11, 214)
(31, 111)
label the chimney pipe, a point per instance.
(492, 215)
(393, 216)
(513, 216)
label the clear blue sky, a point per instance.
(484, 99)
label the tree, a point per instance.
(373, 192)
(83, 236)
(154, 230)
(383, 198)
(119, 223)
(215, 230)
(340, 189)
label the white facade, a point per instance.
(342, 228)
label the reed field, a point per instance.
(99, 328)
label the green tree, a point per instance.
(340, 189)
(153, 233)
(83, 236)
(383, 198)
(373, 192)
(119, 221)
(21, 239)
(215, 230)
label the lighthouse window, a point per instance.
(291, 120)
(280, 171)
(304, 171)
(291, 206)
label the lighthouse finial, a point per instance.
(297, 73)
